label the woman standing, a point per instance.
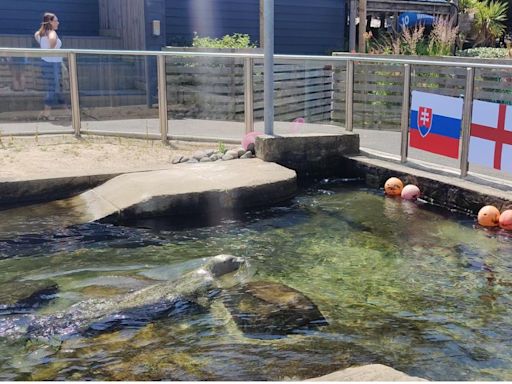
(47, 38)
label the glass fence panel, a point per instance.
(34, 95)
(118, 94)
(439, 146)
(303, 97)
(377, 105)
(205, 97)
(490, 150)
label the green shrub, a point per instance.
(485, 53)
(236, 40)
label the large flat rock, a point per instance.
(202, 188)
(371, 372)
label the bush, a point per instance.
(485, 53)
(236, 40)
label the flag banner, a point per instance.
(490, 143)
(435, 123)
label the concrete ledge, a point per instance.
(40, 190)
(310, 155)
(447, 191)
(372, 372)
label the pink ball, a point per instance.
(250, 138)
(410, 192)
(506, 220)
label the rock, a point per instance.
(214, 157)
(251, 147)
(176, 159)
(240, 152)
(205, 160)
(184, 159)
(227, 157)
(260, 308)
(198, 155)
(209, 152)
(21, 296)
(372, 372)
(247, 155)
(233, 153)
(193, 160)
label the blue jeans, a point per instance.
(51, 74)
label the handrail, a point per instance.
(36, 52)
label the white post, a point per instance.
(269, 67)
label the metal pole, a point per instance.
(162, 99)
(466, 121)
(352, 26)
(248, 95)
(406, 100)
(269, 67)
(349, 97)
(73, 90)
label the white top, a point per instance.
(44, 42)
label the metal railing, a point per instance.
(350, 60)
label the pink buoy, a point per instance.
(506, 220)
(410, 192)
(250, 138)
(297, 124)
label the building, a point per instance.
(301, 26)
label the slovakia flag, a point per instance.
(435, 124)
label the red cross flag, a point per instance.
(491, 135)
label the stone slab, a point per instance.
(310, 155)
(200, 188)
(371, 372)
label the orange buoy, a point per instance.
(506, 219)
(393, 186)
(489, 216)
(410, 192)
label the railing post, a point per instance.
(467, 112)
(248, 94)
(406, 100)
(349, 96)
(74, 95)
(162, 99)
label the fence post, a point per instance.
(349, 96)
(466, 120)
(405, 113)
(74, 95)
(162, 99)
(248, 94)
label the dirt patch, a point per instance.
(43, 157)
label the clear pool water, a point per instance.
(403, 284)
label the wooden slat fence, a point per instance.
(213, 88)
(378, 89)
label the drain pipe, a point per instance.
(269, 66)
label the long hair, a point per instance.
(46, 25)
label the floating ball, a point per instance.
(410, 192)
(489, 216)
(506, 219)
(250, 138)
(393, 186)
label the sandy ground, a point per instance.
(42, 157)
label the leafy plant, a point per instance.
(222, 148)
(485, 53)
(236, 40)
(489, 20)
(442, 37)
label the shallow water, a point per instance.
(400, 283)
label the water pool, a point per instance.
(402, 284)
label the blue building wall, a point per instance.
(213, 18)
(301, 26)
(77, 17)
